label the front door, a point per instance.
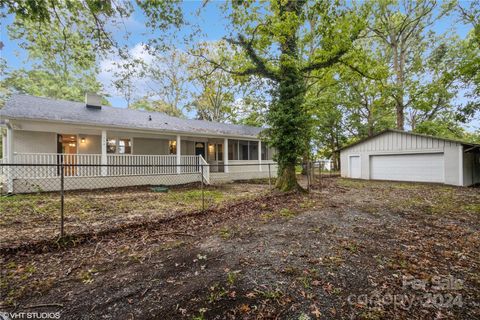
(200, 149)
(67, 147)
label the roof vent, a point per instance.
(93, 101)
(149, 118)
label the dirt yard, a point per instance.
(349, 249)
(28, 218)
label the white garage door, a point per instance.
(408, 167)
(354, 165)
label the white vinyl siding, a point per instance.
(34, 142)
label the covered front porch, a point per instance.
(88, 153)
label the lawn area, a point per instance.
(349, 249)
(28, 218)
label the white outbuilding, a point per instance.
(404, 156)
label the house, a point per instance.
(141, 144)
(404, 156)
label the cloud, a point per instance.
(111, 65)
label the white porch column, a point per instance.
(259, 155)
(225, 155)
(104, 160)
(9, 144)
(10, 158)
(4, 146)
(179, 154)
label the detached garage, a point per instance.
(403, 156)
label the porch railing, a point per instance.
(205, 169)
(89, 165)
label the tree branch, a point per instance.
(324, 64)
(217, 66)
(261, 67)
(357, 70)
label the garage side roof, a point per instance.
(28, 107)
(409, 133)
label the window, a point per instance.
(172, 146)
(120, 146)
(253, 150)
(242, 150)
(212, 154)
(124, 146)
(232, 149)
(220, 152)
(111, 145)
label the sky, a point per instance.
(213, 25)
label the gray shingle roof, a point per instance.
(21, 106)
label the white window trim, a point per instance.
(117, 144)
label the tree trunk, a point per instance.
(398, 68)
(334, 166)
(287, 179)
(370, 123)
(287, 115)
(304, 165)
(400, 116)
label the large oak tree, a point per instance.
(270, 37)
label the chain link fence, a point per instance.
(50, 200)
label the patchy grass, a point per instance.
(287, 213)
(283, 256)
(472, 207)
(193, 196)
(429, 199)
(32, 217)
(227, 233)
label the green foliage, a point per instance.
(157, 106)
(64, 61)
(87, 18)
(317, 74)
(284, 42)
(446, 128)
(380, 86)
(215, 88)
(401, 33)
(45, 83)
(469, 66)
(64, 38)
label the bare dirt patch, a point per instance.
(291, 256)
(30, 218)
